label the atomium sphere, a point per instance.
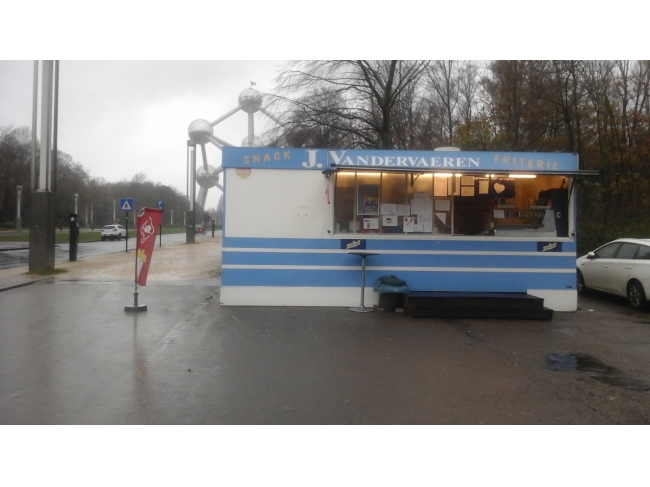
(199, 131)
(209, 178)
(257, 142)
(250, 100)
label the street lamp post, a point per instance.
(19, 197)
(191, 214)
(42, 209)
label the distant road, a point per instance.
(20, 257)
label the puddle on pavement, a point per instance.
(594, 368)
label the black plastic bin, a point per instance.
(391, 291)
(391, 301)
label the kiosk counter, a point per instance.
(440, 220)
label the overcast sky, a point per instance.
(120, 118)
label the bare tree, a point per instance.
(443, 80)
(348, 100)
(452, 93)
(15, 157)
(140, 178)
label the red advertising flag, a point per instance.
(147, 227)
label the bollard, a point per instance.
(74, 236)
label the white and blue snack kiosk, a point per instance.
(443, 220)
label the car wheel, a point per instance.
(582, 289)
(103, 239)
(636, 295)
(119, 237)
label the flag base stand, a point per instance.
(135, 307)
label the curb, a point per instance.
(7, 287)
(3, 249)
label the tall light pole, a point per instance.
(42, 216)
(190, 236)
(19, 199)
(114, 220)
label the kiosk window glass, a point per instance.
(344, 201)
(394, 202)
(434, 203)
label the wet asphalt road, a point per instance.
(70, 355)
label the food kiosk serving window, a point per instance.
(438, 203)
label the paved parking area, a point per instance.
(69, 354)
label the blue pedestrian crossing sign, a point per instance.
(126, 204)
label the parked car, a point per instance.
(621, 267)
(199, 230)
(113, 232)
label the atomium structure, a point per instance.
(201, 132)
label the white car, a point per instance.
(113, 231)
(621, 267)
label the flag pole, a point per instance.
(135, 306)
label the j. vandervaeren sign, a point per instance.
(322, 159)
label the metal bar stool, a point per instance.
(361, 308)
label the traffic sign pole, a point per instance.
(126, 205)
(161, 206)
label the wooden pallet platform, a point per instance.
(448, 304)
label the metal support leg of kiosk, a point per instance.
(361, 308)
